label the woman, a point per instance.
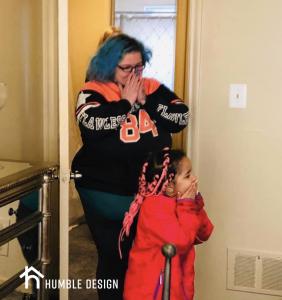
(122, 117)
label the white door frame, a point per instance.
(56, 114)
(64, 141)
(194, 64)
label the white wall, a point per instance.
(21, 70)
(237, 153)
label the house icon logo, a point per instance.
(33, 276)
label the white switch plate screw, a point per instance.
(238, 96)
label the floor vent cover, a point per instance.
(254, 271)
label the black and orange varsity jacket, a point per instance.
(117, 136)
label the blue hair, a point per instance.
(103, 65)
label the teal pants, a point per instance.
(106, 205)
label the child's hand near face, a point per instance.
(191, 192)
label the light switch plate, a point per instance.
(238, 96)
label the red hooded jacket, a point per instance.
(164, 220)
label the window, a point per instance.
(155, 27)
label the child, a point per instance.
(172, 212)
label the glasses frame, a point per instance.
(129, 69)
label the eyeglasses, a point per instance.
(128, 69)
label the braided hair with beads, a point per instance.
(157, 172)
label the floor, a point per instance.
(83, 261)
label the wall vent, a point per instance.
(254, 271)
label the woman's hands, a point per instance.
(133, 90)
(141, 98)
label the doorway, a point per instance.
(88, 36)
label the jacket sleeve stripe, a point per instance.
(85, 107)
(177, 101)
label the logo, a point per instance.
(53, 284)
(33, 276)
